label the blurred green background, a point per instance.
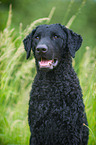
(17, 73)
(26, 12)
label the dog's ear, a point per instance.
(28, 43)
(74, 41)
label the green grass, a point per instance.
(87, 76)
(17, 74)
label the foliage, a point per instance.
(17, 75)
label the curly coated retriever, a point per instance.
(56, 109)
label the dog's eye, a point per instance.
(55, 37)
(37, 37)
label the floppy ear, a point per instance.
(28, 43)
(74, 41)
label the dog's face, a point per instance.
(49, 42)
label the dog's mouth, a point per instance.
(47, 64)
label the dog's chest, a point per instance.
(48, 95)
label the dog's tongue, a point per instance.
(45, 62)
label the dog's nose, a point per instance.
(41, 48)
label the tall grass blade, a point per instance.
(9, 17)
(69, 23)
(68, 10)
(51, 14)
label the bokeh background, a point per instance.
(17, 19)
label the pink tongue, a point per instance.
(45, 62)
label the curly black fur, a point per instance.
(56, 109)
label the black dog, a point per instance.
(56, 109)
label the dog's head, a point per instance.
(51, 42)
